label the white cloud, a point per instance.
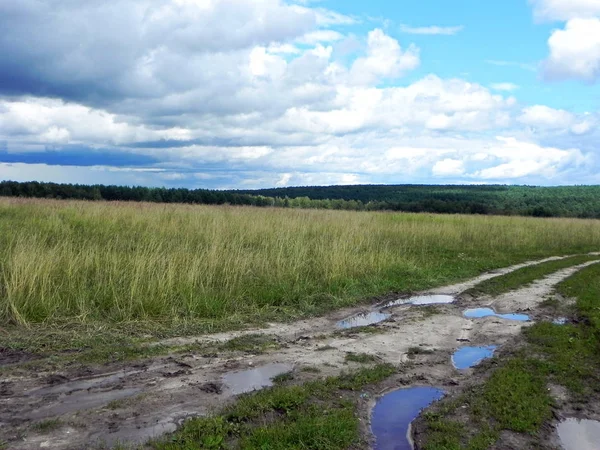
(546, 117)
(562, 10)
(507, 87)
(583, 127)
(574, 51)
(520, 159)
(49, 121)
(326, 17)
(432, 30)
(543, 118)
(385, 59)
(267, 93)
(319, 36)
(448, 167)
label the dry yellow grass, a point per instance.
(117, 262)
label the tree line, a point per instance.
(570, 201)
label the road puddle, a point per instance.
(81, 400)
(362, 320)
(467, 357)
(394, 412)
(578, 434)
(478, 313)
(253, 379)
(420, 300)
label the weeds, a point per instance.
(253, 343)
(526, 275)
(361, 358)
(46, 426)
(212, 268)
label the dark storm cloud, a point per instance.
(75, 155)
(99, 52)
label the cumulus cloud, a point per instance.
(561, 10)
(519, 159)
(385, 59)
(448, 167)
(230, 93)
(544, 118)
(66, 49)
(574, 51)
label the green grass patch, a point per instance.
(317, 415)
(362, 358)
(526, 275)
(369, 329)
(310, 369)
(414, 351)
(46, 426)
(283, 378)
(253, 343)
(325, 348)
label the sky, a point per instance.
(247, 94)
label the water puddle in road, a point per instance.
(362, 320)
(420, 300)
(81, 400)
(578, 434)
(254, 379)
(467, 357)
(478, 313)
(560, 321)
(394, 412)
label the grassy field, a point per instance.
(79, 262)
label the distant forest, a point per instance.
(571, 201)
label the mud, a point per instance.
(10, 356)
(123, 403)
(363, 320)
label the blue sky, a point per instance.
(239, 94)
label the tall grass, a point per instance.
(115, 262)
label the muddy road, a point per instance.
(132, 402)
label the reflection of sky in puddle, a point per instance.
(253, 379)
(478, 313)
(362, 320)
(577, 434)
(394, 412)
(420, 300)
(466, 357)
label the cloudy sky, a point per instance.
(262, 93)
